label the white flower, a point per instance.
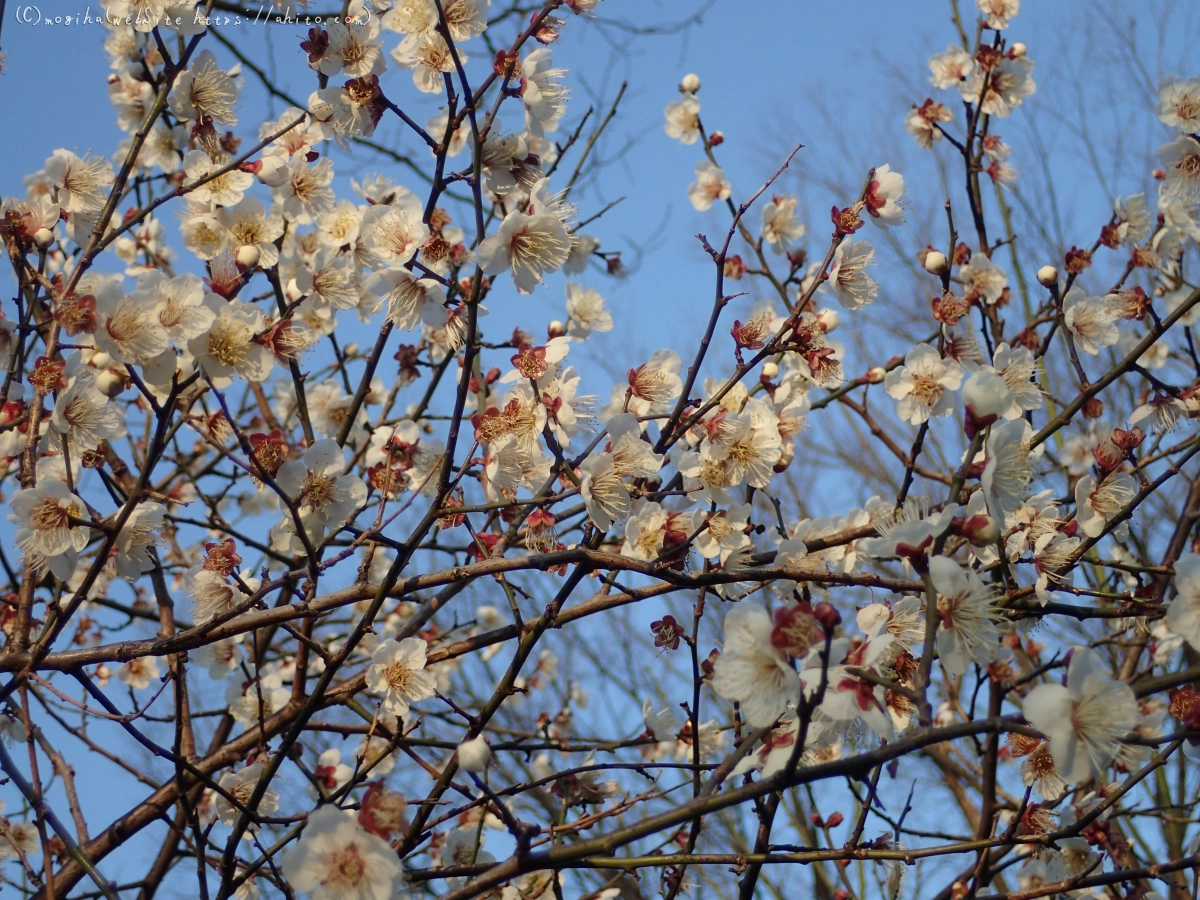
(710, 185)
(604, 493)
(724, 531)
(128, 328)
(967, 630)
(325, 497)
(923, 385)
(645, 530)
(780, 226)
(411, 300)
(212, 594)
(305, 194)
(1091, 320)
(1008, 471)
(982, 280)
(84, 415)
(224, 190)
(1183, 615)
(848, 279)
(586, 312)
(249, 225)
(658, 380)
(1085, 719)
(883, 196)
(205, 89)
(337, 859)
(1097, 504)
(354, 48)
(543, 94)
(45, 533)
(81, 183)
(394, 232)
(751, 671)
(241, 786)
(398, 672)
(428, 57)
(330, 773)
(329, 280)
(219, 657)
(529, 245)
(683, 119)
(950, 67)
(138, 673)
(998, 13)
(1135, 219)
(1017, 367)
(139, 534)
(1008, 84)
(1179, 104)
(1181, 161)
(227, 348)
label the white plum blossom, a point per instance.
(710, 186)
(205, 90)
(337, 859)
(1009, 82)
(967, 630)
(883, 196)
(1084, 719)
(1183, 613)
(683, 119)
(529, 245)
(1179, 104)
(751, 671)
(951, 67)
(82, 183)
(228, 349)
(46, 533)
(780, 225)
(1092, 321)
(585, 312)
(411, 301)
(848, 279)
(398, 672)
(923, 386)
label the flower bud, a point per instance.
(770, 370)
(876, 375)
(716, 138)
(556, 329)
(829, 617)
(43, 238)
(1017, 50)
(690, 83)
(1047, 276)
(100, 360)
(981, 531)
(987, 396)
(473, 755)
(247, 257)
(935, 263)
(828, 319)
(109, 383)
(351, 351)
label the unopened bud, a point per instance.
(770, 370)
(1047, 276)
(43, 238)
(1093, 408)
(473, 755)
(1017, 50)
(351, 350)
(109, 383)
(981, 531)
(876, 375)
(247, 257)
(690, 83)
(835, 820)
(829, 617)
(935, 262)
(100, 360)
(556, 329)
(717, 137)
(828, 319)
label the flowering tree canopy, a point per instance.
(342, 593)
